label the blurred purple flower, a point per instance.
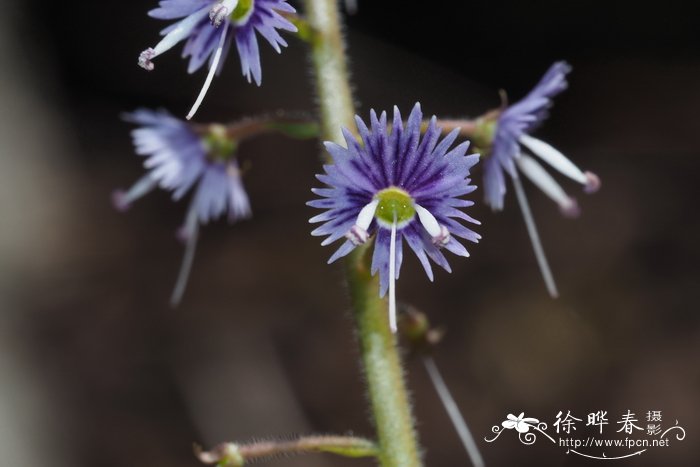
(397, 186)
(208, 26)
(506, 134)
(178, 159)
(512, 133)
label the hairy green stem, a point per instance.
(236, 455)
(388, 397)
(330, 68)
(389, 401)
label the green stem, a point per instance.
(383, 370)
(330, 68)
(236, 455)
(388, 397)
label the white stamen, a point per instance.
(364, 219)
(439, 233)
(593, 183)
(357, 235)
(358, 232)
(545, 182)
(221, 10)
(392, 279)
(189, 233)
(181, 31)
(145, 58)
(535, 238)
(210, 76)
(442, 239)
(428, 221)
(554, 158)
(122, 200)
(453, 411)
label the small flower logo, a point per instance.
(520, 423)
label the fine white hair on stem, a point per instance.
(392, 278)
(535, 238)
(191, 233)
(453, 411)
(210, 76)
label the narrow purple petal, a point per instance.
(431, 174)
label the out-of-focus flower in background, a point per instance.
(503, 136)
(509, 132)
(181, 156)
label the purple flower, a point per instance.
(511, 141)
(506, 135)
(208, 26)
(179, 158)
(396, 185)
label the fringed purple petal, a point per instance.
(344, 250)
(202, 42)
(432, 175)
(176, 159)
(414, 241)
(520, 118)
(173, 9)
(174, 153)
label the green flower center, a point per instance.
(484, 135)
(218, 145)
(395, 205)
(242, 11)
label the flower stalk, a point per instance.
(293, 126)
(236, 455)
(390, 406)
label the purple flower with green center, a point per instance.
(506, 135)
(511, 142)
(209, 26)
(181, 158)
(396, 185)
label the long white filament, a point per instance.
(453, 411)
(392, 278)
(192, 232)
(181, 31)
(210, 75)
(535, 238)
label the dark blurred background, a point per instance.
(97, 370)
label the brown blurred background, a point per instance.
(97, 370)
